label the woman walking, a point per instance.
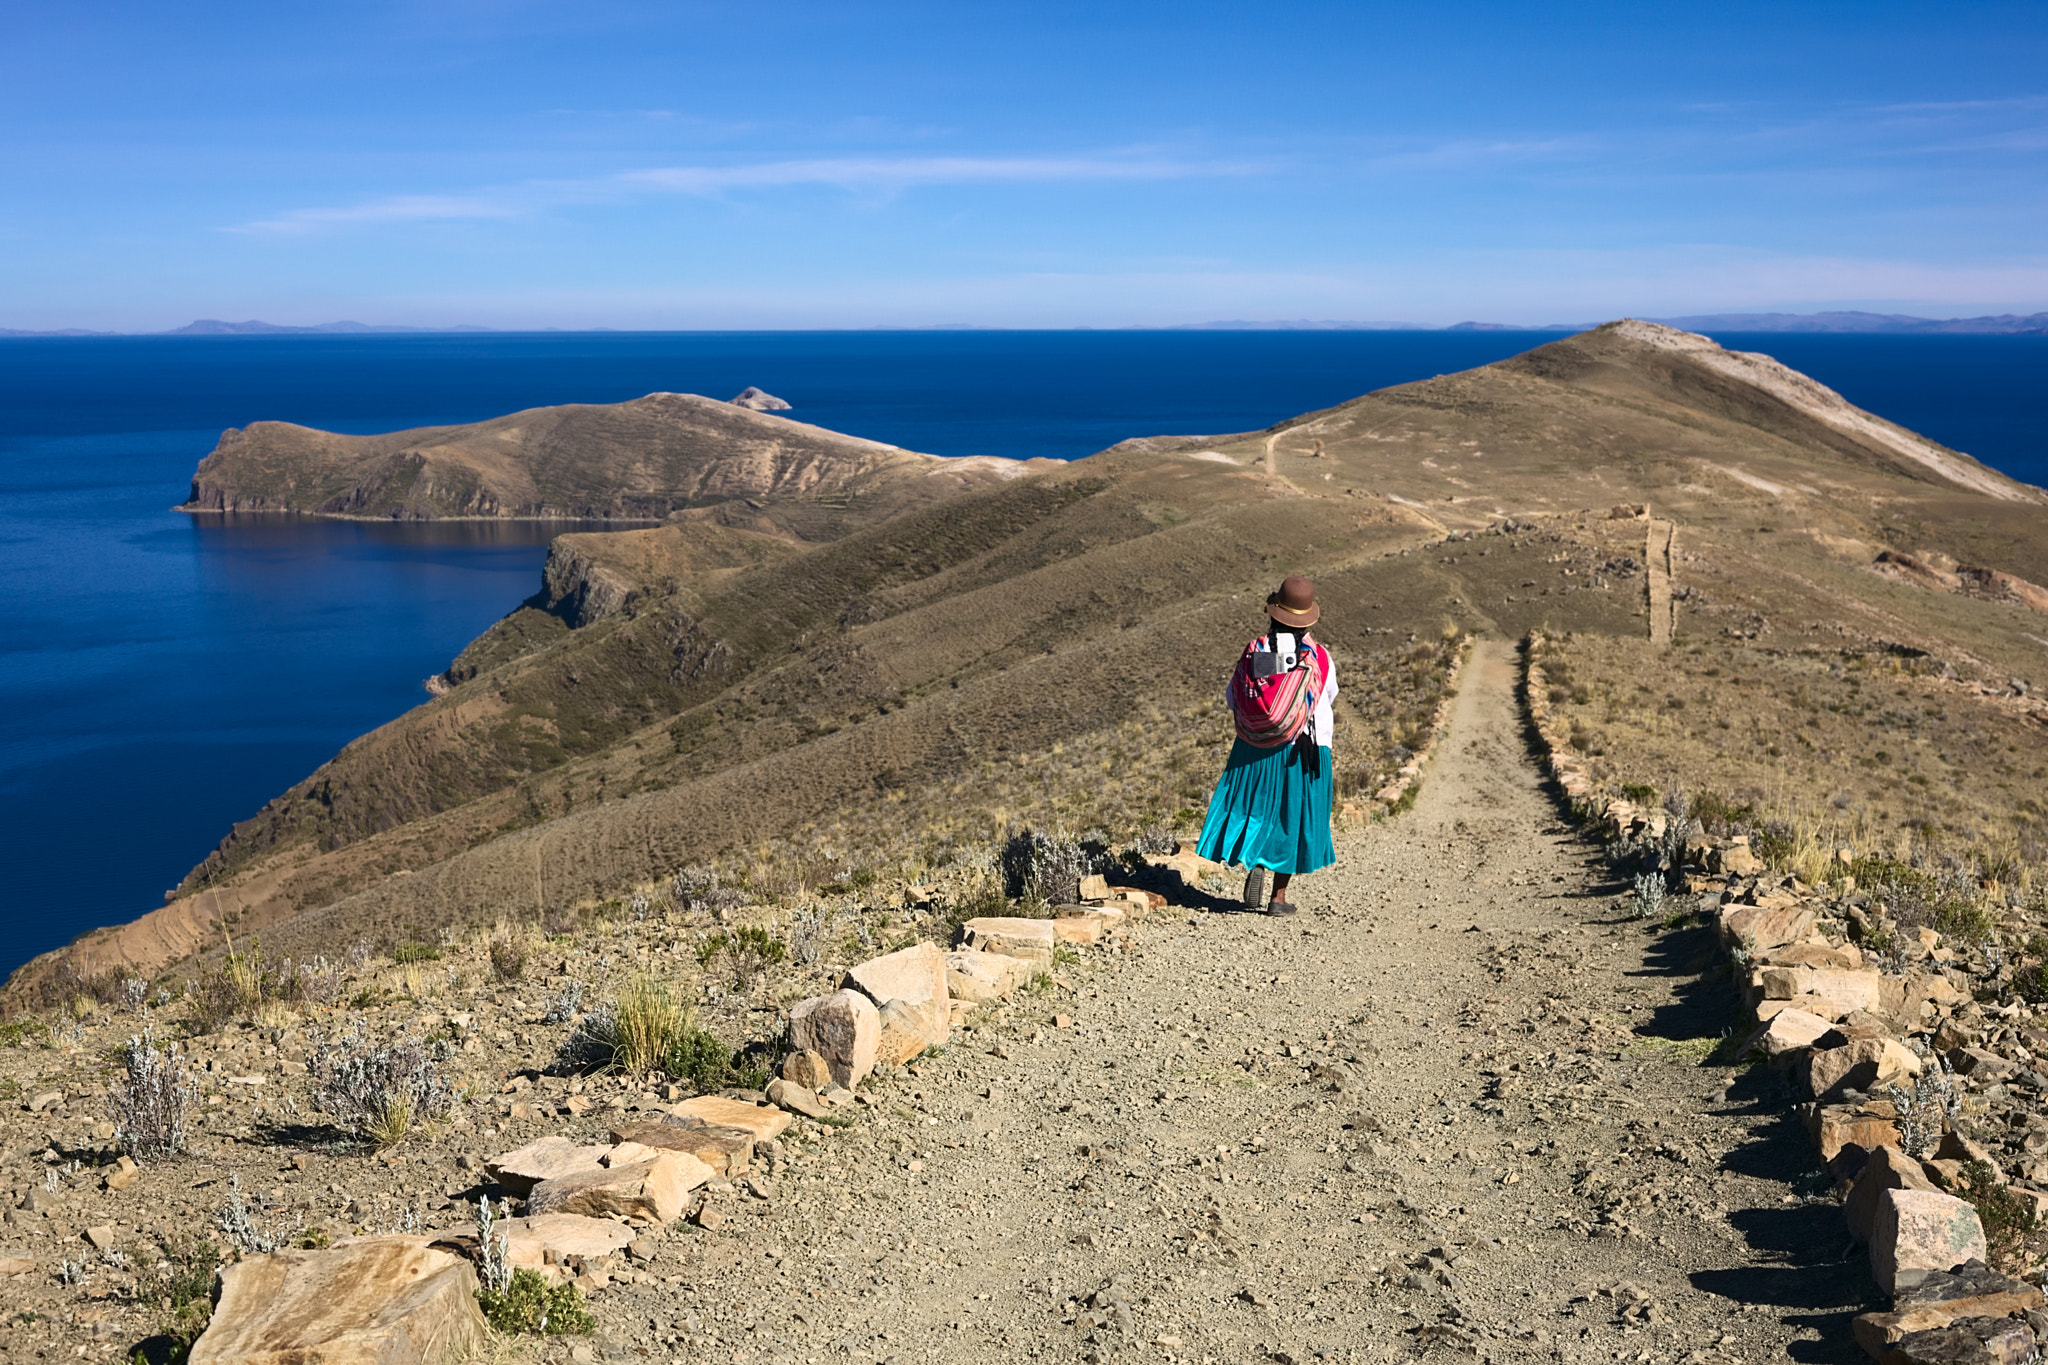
(1271, 810)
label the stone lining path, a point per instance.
(1658, 555)
(1434, 1112)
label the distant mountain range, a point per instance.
(2002, 324)
(214, 327)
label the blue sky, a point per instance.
(1051, 164)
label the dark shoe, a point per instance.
(1255, 888)
(1280, 908)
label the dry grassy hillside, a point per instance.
(1048, 649)
(627, 461)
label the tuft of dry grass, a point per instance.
(650, 1020)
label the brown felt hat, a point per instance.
(1294, 603)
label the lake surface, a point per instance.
(162, 676)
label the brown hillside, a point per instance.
(710, 686)
(636, 461)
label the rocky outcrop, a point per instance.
(755, 400)
(1943, 574)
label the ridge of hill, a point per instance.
(636, 461)
(1045, 648)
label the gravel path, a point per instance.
(1434, 1112)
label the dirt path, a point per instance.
(1384, 1125)
(1657, 554)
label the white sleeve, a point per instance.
(1326, 709)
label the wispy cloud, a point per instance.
(397, 208)
(868, 175)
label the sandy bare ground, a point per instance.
(1384, 1126)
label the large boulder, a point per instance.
(378, 1301)
(1918, 1233)
(546, 1159)
(843, 1028)
(914, 973)
(914, 1007)
(1888, 1168)
(651, 1190)
(1032, 940)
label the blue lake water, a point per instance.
(161, 676)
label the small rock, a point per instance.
(1030, 940)
(1063, 1021)
(1980, 1065)
(642, 1248)
(16, 1261)
(101, 1237)
(796, 1098)
(123, 1174)
(708, 1218)
(805, 1068)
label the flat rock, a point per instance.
(1966, 1341)
(16, 1261)
(1031, 940)
(651, 1191)
(915, 974)
(762, 1121)
(1888, 1168)
(1787, 1031)
(1973, 1290)
(725, 1150)
(843, 1028)
(1917, 1233)
(546, 1159)
(377, 1301)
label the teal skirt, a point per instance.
(1268, 812)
